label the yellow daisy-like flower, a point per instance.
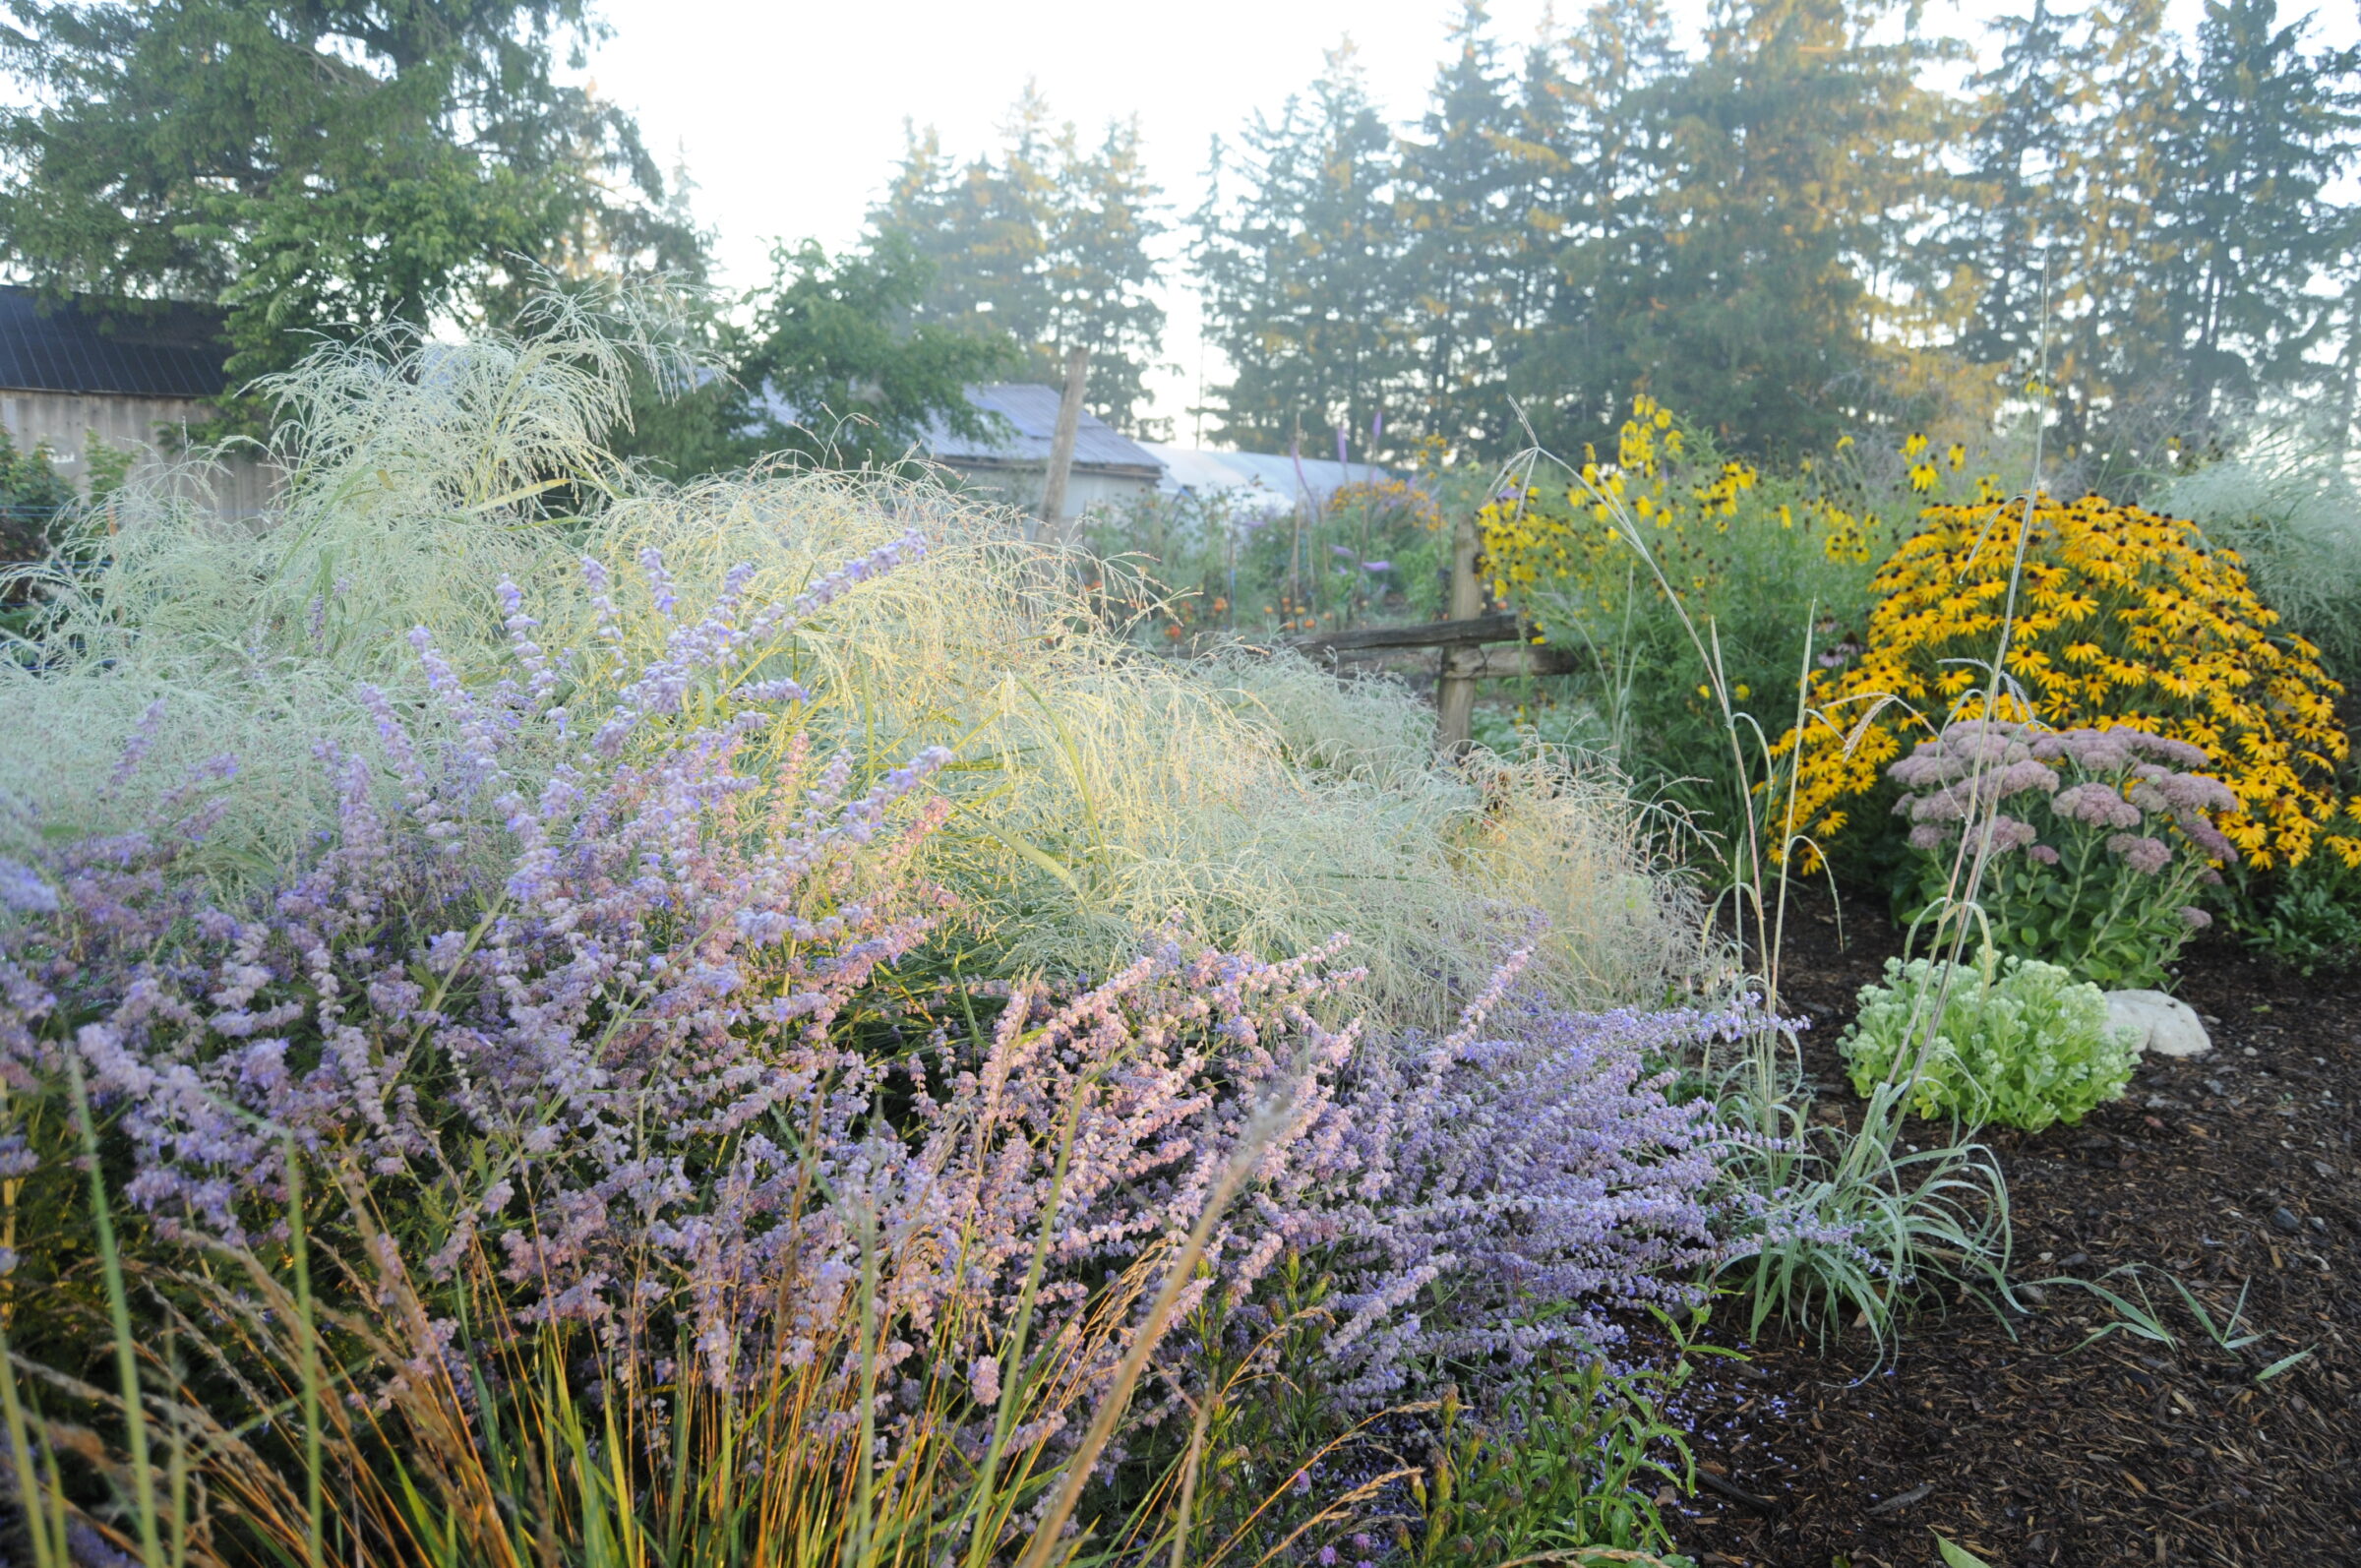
(2124, 618)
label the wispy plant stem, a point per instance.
(118, 1307)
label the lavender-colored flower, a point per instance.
(2195, 918)
(136, 748)
(23, 890)
(660, 580)
(2144, 854)
(2094, 804)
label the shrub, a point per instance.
(33, 497)
(2308, 917)
(2017, 1040)
(2122, 619)
(2093, 849)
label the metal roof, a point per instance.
(1263, 481)
(79, 346)
(1032, 415)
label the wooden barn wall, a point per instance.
(241, 487)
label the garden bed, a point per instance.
(2231, 1171)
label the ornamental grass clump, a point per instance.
(2120, 619)
(2008, 1039)
(1094, 790)
(2095, 845)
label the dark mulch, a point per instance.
(2233, 1170)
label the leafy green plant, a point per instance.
(2014, 1041)
(1571, 1461)
(2308, 917)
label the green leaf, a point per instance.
(1957, 1556)
(2283, 1364)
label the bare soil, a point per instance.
(2235, 1172)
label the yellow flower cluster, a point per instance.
(1533, 539)
(2121, 617)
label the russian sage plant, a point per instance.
(614, 1001)
(2095, 843)
(1518, 1180)
(628, 1024)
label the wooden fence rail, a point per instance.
(1472, 650)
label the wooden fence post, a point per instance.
(1455, 685)
(1061, 448)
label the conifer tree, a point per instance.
(1801, 154)
(2246, 227)
(1599, 123)
(1460, 184)
(2115, 371)
(1045, 240)
(2013, 206)
(1298, 252)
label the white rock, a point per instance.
(2159, 1023)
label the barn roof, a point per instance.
(1031, 412)
(81, 346)
(1263, 482)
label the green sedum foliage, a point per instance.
(2018, 1042)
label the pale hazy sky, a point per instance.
(790, 116)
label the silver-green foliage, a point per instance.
(2288, 509)
(2016, 1041)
